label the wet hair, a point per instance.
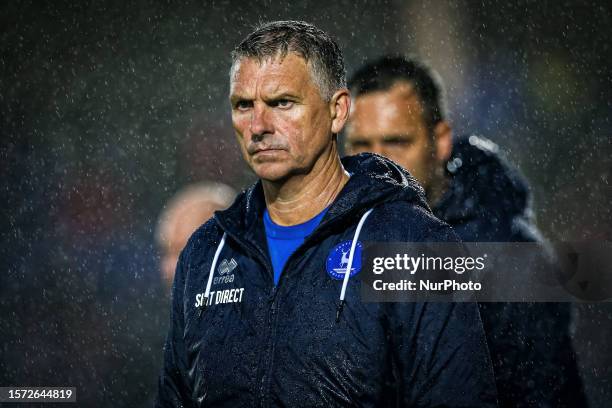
(319, 50)
(382, 74)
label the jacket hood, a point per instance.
(481, 182)
(374, 180)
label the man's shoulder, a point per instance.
(488, 199)
(410, 222)
(207, 236)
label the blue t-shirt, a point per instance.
(283, 241)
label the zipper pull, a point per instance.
(272, 295)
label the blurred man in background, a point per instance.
(185, 212)
(399, 113)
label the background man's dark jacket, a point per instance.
(533, 359)
(283, 347)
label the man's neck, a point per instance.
(301, 197)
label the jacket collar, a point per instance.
(374, 180)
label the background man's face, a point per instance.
(391, 124)
(183, 222)
(281, 121)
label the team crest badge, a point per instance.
(338, 258)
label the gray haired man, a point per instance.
(266, 310)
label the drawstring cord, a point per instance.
(347, 273)
(211, 273)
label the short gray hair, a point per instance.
(319, 50)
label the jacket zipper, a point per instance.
(266, 378)
(267, 361)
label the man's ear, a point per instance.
(443, 137)
(339, 107)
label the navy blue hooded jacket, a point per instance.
(291, 345)
(489, 201)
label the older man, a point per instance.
(265, 308)
(399, 113)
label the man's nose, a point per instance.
(260, 122)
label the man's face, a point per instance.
(281, 121)
(391, 124)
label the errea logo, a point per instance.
(221, 296)
(226, 266)
(224, 269)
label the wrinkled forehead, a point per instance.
(269, 72)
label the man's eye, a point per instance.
(283, 103)
(396, 142)
(243, 105)
(357, 144)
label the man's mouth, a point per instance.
(267, 154)
(266, 150)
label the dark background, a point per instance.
(108, 108)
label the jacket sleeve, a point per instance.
(173, 389)
(444, 357)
